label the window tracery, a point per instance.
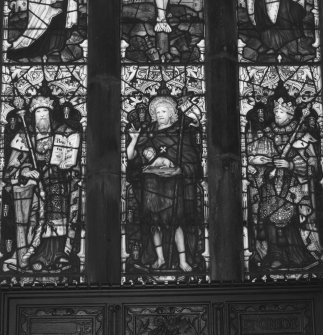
(43, 144)
(281, 137)
(164, 199)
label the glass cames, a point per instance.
(282, 31)
(164, 200)
(37, 31)
(281, 135)
(281, 147)
(150, 35)
(43, 142)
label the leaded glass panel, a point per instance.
(164, 200)
(281, 147)
(162, 30)
(45, 31)
(278, 31)
(42, 142)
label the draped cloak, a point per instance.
(287, 27)
(46, 30)
(155, 193)
(281, 196)
(59, 195)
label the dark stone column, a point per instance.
(103, 138)
(224, 143)
(3, 311)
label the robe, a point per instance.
(282, 196)
(287, 27)
(47, 29)
(57, 185)
(166, 201)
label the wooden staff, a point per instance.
(288, 145)
(36, 239)
(1, 171)
(175, 196)
(80, 232)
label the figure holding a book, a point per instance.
(41, 174)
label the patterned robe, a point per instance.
(60, 192)
(284, 197)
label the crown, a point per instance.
(285, 106)
(41, 101)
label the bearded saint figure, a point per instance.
(165, 185)
(283, 163)
(40, 178)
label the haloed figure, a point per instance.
(162, 24)
(166, 188)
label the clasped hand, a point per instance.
(64, 165)
(34, 174)
(278, 162)
(281, 163)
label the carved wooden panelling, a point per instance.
(218, 317)
(271, 318)
(166, 319)
(60, 320)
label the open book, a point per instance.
(65, 149)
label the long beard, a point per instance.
(43, 126)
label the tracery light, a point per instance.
(281, 137)
(43, 144)
(164, 200)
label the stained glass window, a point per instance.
(278, 30)
(281, 138)
(164, 201)
(43, 144)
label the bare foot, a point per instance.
(162, 25)
(160, 262)
(185, 266)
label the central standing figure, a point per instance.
(164, 165)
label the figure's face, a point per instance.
(41, 113)
(282, 117)
(163, 115)
(42, 118)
